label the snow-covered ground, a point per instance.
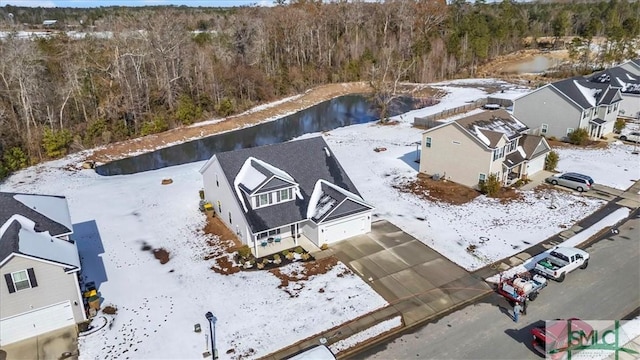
(158, 305)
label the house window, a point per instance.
(615, 107)
(482, 178)
(569, 131)
(230, 220)
(219, 207)
(544, 129)
(274, 232)
(285, 194)
(217, 183)
(498, 153)
(427, 142)
(264, 199)
(608, 109)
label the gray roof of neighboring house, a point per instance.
(513, 159)
(19, 237)
(531, 146)
(307, 161)
(585, 93)
(492, 125)
(618, 77)
(50, 213)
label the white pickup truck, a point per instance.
(561, 261)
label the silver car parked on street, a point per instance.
(574, 181)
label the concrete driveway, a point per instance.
(415, 279)
(58, 344)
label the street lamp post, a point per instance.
(212, 331)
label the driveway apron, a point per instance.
(413, 278)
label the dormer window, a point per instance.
(264, 199)
(285, 195)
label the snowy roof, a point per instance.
(50, 213)
(584, 93)
(18, 236)
(618, 77)
(490, 126)
(328, 202)
(304, 160)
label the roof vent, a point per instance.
(326, 151)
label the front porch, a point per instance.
(271, 245)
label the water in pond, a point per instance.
(539, 64)
(342, 111)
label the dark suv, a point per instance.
(574, 181)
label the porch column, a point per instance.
(255, 243)
(295, 236)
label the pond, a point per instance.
(338, 112)
(539, 64)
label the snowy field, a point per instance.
(158, 305)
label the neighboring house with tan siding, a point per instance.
(556, 109)
(470, 149)
(39, 265)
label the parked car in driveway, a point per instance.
(574, 181)
(633, 137)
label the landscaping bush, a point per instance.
(285, 252)
(491, 186)
(324, 246)
(579, 136)
(551, 161)
(244, 251)
(619, 125)
(298, 250)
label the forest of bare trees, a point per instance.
(138, 71)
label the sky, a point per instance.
(99, 3)
(256, 314)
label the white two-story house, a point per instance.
(285, 191)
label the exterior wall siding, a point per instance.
(544, 106)
(630, 106)
(310, 230)
(455, 155)
(54, 286)
(221, 195)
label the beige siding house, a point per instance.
(39, 265)
(468, 150)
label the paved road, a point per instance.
(607, 289)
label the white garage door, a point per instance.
(345, 229)
(535, 165)
(35, 322)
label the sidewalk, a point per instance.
(403, 307)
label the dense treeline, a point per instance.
(144, 70)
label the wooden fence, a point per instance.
(431, 120)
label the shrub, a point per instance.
(551, 161)
(4, 172)
(579, 136)
(290, 256)
(324, 246)
(95, 131)
(553, 138)
(158, 124)
(298, 250)
(619, 125)
(519, 183)
(265, 261)
(187, 111)
(15, 159)
(285, 252)
(225, 107)
(305, 256)
(56, 143)
(276, 257)
(244, 251)
(491, 186)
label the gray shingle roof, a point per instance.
(513, 159)
(305, 160)
(9, 206)
(493, 125)
(620, 78)
(533, 146)
(594, 94)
